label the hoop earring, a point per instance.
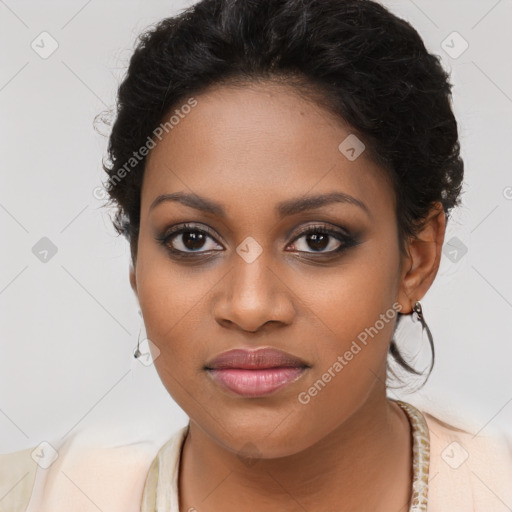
(137, 352)
(419, 315)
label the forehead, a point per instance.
(261, 143)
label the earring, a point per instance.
(419, 315)
(137, 352)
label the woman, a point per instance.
(283, 171)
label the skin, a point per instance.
(250, 148)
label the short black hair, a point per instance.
(367, 66)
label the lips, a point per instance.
(255, 373)
(255, 359)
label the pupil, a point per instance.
(193, 240)
(319, 241)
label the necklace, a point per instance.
(420, 457)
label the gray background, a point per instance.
(69, 324)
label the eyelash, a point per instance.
(347, 240)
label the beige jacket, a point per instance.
(467, 474)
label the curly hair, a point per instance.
(368, 67)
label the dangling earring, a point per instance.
(419, 315)
(419, 312)
(137, 352)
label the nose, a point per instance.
(252, 295)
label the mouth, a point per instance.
(254, 373)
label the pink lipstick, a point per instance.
(254, 373)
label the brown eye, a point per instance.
(322, 240)
(318, 241)
(193, 240)
(188, 239)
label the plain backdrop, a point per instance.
(69, 319)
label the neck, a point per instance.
(364, 464)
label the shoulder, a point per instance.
(17, 475)
(84, 473)
(469, 470)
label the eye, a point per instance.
(322, 239)
(188, 239)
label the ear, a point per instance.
(133, 280)
(423, 258)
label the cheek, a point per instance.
(351, 297)
(174, 303)
(170, 303)
(355, 310)
(357, 324)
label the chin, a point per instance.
(262, 438)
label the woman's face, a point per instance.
(253, 279)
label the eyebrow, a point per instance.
(283, 209)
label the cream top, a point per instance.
(464, 472)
